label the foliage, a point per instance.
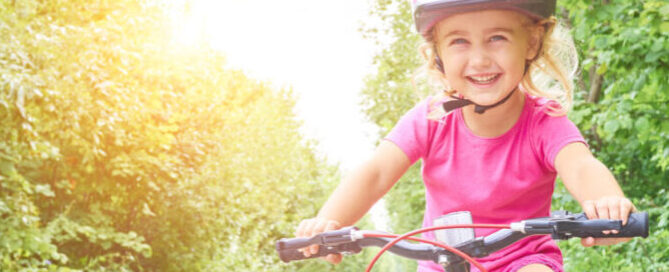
(627, 44)
(123, 151)
(387, 95)
(621, 109)
(648, 254)
(390, 92)
(620, 106)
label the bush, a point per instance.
(123, 151)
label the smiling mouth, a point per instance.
(483, 79)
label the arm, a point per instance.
(356, 194)
(594, 187)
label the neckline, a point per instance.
(521, 118)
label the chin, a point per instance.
(484, 99)
(488, 97)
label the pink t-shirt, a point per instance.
(499, 180)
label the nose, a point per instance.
(479, 57)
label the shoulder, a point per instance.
(416, 130)
(545, 113)
(550, 132)
(426, 111)
(544, 105)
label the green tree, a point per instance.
(123, 151)
(387, 95)
(621, 108)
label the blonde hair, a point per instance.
(549, 75)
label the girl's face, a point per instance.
(484, 52)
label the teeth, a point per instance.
(483, 79)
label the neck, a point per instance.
(495, 121)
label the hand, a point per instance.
(313, 226)
(610, 207)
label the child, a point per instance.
(494, 142)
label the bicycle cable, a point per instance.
(446, 247)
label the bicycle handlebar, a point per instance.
(561, 225)
(337, 241)
(288, 248)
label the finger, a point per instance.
(614, 210)
(318, 227)
(334, 258)
(604, 241)
(299, 232)
(602, 211)
(308, 230)
(626, 208)
(589, 209)
(332, 225)
(588, 241)
(609, 241)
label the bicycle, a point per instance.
(454, 257)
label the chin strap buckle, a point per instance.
(480, 109)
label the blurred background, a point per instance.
(190, 135)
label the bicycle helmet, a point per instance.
(427, 13)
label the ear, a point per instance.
(535, 40)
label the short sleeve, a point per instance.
(410, 133)
(551, 134)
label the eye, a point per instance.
(458, 41)
(497, 38)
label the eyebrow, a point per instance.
(490, 30)
(455, 32)
(499, 29)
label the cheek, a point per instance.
(453, 63)
(515, 62)
(453, 74)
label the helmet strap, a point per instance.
(439, 63)
(461, 102)
(480, 109)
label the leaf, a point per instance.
(4, 208)
(106, 245)
(44, 189)
(601, 42)
(660, 44)
(611, 126)
(602, 68)
(653, 56)
(664, 27)
(20, 101)
(664, 10)
(147, 211)
(642, 124)
(7, 168)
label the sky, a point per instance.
(315, 48)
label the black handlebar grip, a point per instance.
(295, 243)
(637, 226)
(335, 241)
(292, 253)
(332, 237)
